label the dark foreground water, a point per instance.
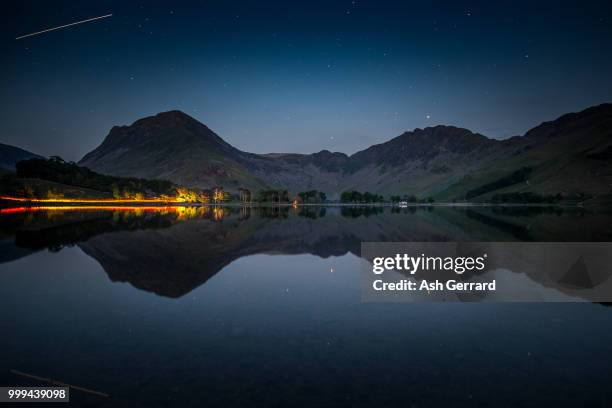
(222, 307)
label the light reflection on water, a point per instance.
(243, 308)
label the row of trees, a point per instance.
(411, 199)
(312, 196)
(244, 195)
(59, 171)
(121, 188)
(359, 197)
(315, 197)
(273, 196)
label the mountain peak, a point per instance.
(327, 153)
(155, 142)
(172, 126)
(443, 131)
(169, 118)
(422, 145)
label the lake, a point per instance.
(223, 306)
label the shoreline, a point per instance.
(25, 202)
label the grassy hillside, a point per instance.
(55, 179)
(37, 188)
(573, 167)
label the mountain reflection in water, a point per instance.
(172, 250)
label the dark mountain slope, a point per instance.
(570, 156)
(10, 155)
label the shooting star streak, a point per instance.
(63, 26)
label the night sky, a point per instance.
(299, 76)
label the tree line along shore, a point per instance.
(54, 180)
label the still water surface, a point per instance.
(262, 307)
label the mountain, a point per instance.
(421, 162)
(10, 155)
(568, 156)
(171, 146)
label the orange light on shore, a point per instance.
(90, 200)
(17, 210)
(14, 210)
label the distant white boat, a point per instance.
(403, 204)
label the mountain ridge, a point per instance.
(441, 161)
